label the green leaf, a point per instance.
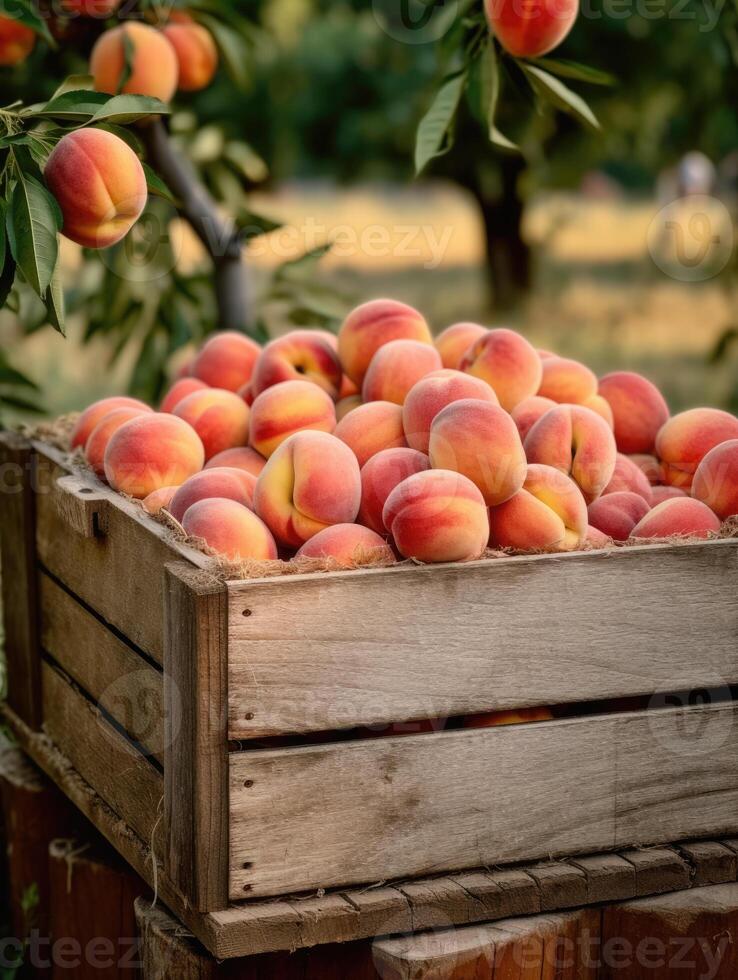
(76, 83)
(26, 13)
(3, 233)
(500, 140)
(253, 225)
(22, 404)
(74, 106)
(434, 137)
(303, 263)
(123, 109)
(54, 300)
(553, 91)
(33, 225)
(232, 47)
(157, 186)
(11, 376)
(7, 278)
(572, 69)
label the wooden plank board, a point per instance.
(123, 683)
(319, 652)
(376, 809)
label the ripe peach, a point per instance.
(627, 475)
(346, 405)
(521, 716)
(526, 413)
(507, 362)
(396, 368)
(638, 409)
(596, 539)
(437, 516)
(91, 8)
(677, 516)
(481, 441)
(220, 481)
(684, 441)
(348, 544)
(159, 500)
(219, 417)
(247, 393)
(226, 360)
(152, 451)
(379, 477)
(240, 458)
(16, 41)
(373, 324)
(649, 466)
(598, 404)
(531, 28)
(230, 529)
(102, 433)
(286, 408)
(370, 428)
(301, 355)
(616, 514)
(716, 479)
(196, 51)
(153, 62)
(660, 494)
(179, 391)
(431, 394)
(348, 388)
(312, 481)
(565, 380)
(96, 412)
(453, 342)
(578, 442)
(548, 514)
(99, 184)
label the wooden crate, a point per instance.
(193, 714)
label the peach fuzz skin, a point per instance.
(179, 391)
(480, 441)
(532, 28)
(371, 428)
(716, 479)
(579, 443)
(196, 51)
(396, 368)
(453, 342)
(565, 380)
(616, 514)
(349, 545)
(230, 529)
(150, 452)
(159, 500)
(219, 417)
(301, 355)
(594, 538)
(680, 516)
(493, 719)
(16, 42)
(526, 414)
(311, 482)
(102, 434)
(373, 324)
(687, 438)
(660, 494)
(240, 458)
(638, 408)
(649, 466)
(346, 405)
(96, 412)
(226, 360)
(432, 394)
(221, 481)
(379, 477)
(286, 408)
(99, 184)
(507, 362)
(627, 475)
(437, 516)
(155, 71)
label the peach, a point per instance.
(91, 8)
(526, 413)
(179, 391)
(373, 324)
(220, 481)
(96, 412)
(286, 408)
(379, 477)
(598, 404)
(396, 368)
(349, 545)
(660, 494)
(196, 51)
(230, 529)
(453, 342)
(548, 514)
(312, 481)
(638, 410)
(521, 716)
(431, 394)
(684, 441)
(649, 465)
(102, 433)
(159, 500)
(533, 28)
(247, 393)
(437, 516)
(370, 428)
(240, 458)
(301, 355)
(627, 475)
(676, 517)
(578, 442)
(99, 184)
(565, 380)
(596, 539)
(153, 62)
(507, 362)
(152, 451)
(16, 42)
(226, 360)
(219, 417)
(348, 388)
(480, 441)
(616, 514)
(346, 405)
(716, 479)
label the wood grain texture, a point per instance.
(377, 646)
(196, 763)
(17, 559)
(382, 808)
(125, 685)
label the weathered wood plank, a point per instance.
(123, 683)
(376, 809)
(712, 863)
(196, 763)
(377, 646)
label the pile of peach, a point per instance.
(381, 443)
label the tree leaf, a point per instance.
(233, 49)
(33, 225)
(551, 90)
(26, 13)
(54, 300)
(252, 225)
(433, 137)
(500, 140)
(21, 404)
(124, 109)
(157, 186)
(7, 278)
(74, 106)
(572, 69)
(76, 83)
